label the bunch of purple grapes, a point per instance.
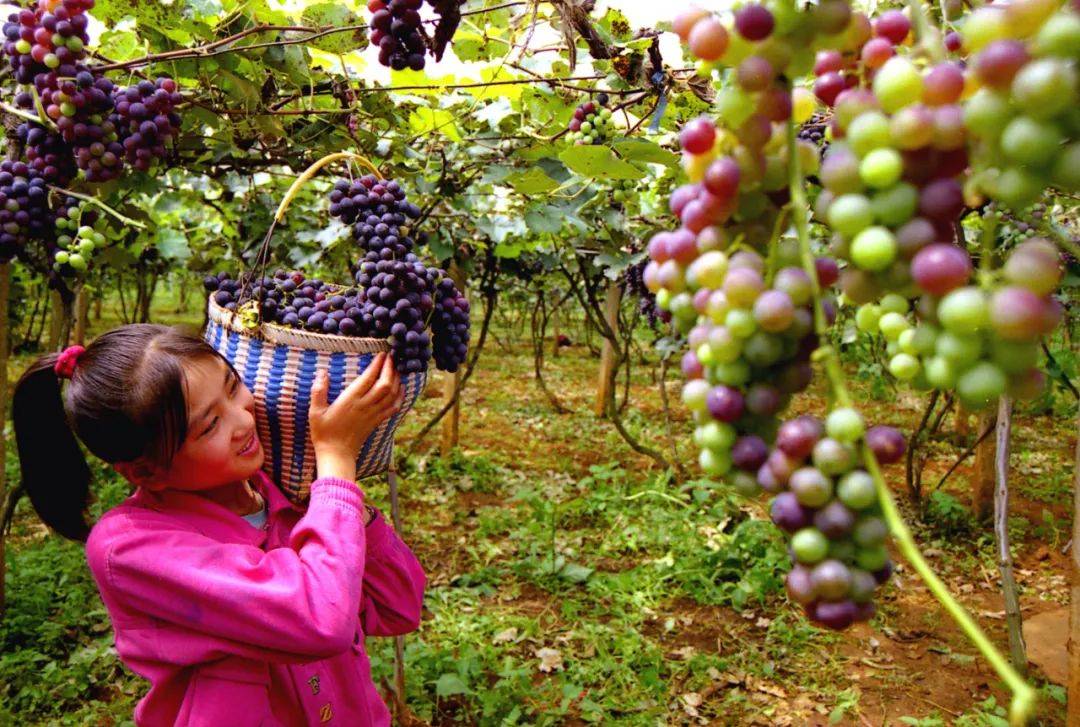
(398, 303)
(396, 30)
(24, 208)
(635, 285)
(828, 506)
(37, 41)
(79, 101)
(146, 121)
(450, 324)
(47, 153)
(377, 210)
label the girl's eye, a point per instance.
(211, 427)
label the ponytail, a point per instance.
(125, 403)
(54, 471)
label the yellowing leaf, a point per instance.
(425, 121)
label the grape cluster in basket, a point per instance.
(396, 296)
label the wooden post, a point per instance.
(452, 420)
(82, 309)
(56, 321)
(1013, 619)
(97, 305)
(399, 641)
(607, 354)
(1073, 708)
(5, 333)
(982, 480)
(961, 419)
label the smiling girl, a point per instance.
(239, 607)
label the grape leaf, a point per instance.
(531, 181)
(424, 121)
(172, 244)
(598, 162)
(641, 150)
(334, 15)
(449, 684)
(544, 218)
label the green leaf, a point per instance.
(449, 684)
(335, 15)
(424, 121)
(642, 150)
(598, 162)
(575, 572)
(544, 218)
(474, 47)
(494, 112)
(531, 181)
(172, 244)
(113, 11)
(119, 45)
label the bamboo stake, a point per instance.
(607, 355)
(1013, 619)
(1073, 708)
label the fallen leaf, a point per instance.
(506, 636)
(550, 660)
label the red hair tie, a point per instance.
(65, 363)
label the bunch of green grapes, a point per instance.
(591, 122)
(1023, 115)
(79, 233)
(980, 341)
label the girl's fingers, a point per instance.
(364, 382)
(319, 392)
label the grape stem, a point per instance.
(774, 242)
(929, 35)
(1023, 700)
(95, 201)
(9, 109)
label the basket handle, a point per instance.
(263, 257)
(313, 170)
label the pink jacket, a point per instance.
(238, 626)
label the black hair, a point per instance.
(125, 402)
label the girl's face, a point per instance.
(222, 446)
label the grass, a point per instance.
(571, 581)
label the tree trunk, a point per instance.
(605, 379)
(452, 420)
(97, 304)
(963, 424)
(1073, 709)
(539, 332)
(56, 321)
(982, 479)
(82, 309)
(5, 288)
(1013, 618)
(149, 287)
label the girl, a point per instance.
(239, 608)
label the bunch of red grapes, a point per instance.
(910, 151)
(88, 127)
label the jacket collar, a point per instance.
(213, 519)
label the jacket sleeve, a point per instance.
(394, 583)
(294, 603)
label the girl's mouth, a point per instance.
(250, 447)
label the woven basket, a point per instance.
(278, 365)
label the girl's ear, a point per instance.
(138, 473)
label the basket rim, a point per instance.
(273, 333)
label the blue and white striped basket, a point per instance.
(278, 365)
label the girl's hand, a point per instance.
(338, 431)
